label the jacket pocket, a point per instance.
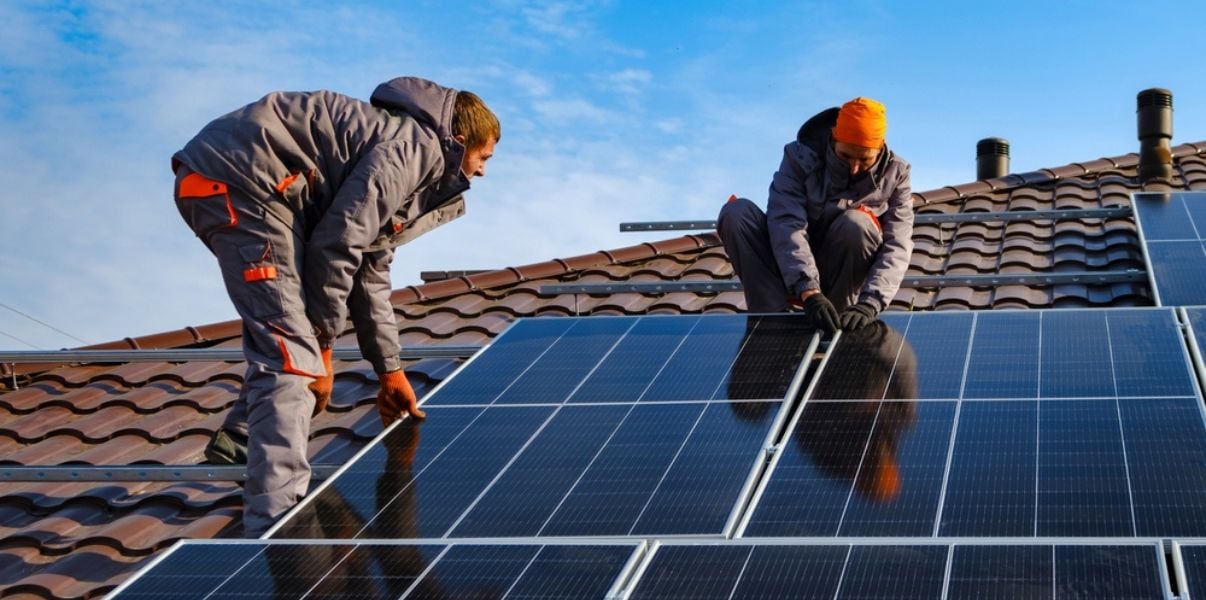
(276, 322)
(258, 293)
(204, 204)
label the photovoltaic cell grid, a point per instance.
(1079, 423)
(931, 572)
(1173, 229)
(611, 426)
(633, 359)
(382, 570)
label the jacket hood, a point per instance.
(424, 100)
(431, 104)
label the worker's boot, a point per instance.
(226, 448)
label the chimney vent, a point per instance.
(1155, 134)
(992, 158)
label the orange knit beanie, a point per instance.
(861, 122)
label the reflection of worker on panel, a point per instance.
(757, 376)
(857, 440)
(372, 570)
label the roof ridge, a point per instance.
(1011, 181)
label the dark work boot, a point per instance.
(226, 448)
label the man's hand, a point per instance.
(323, 386)
(396, 396)
(820, 311)
(858, 316)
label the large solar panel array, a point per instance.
(1172, 226)
(1008, 454)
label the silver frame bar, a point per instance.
(668, 226)
(764, 459)
(205, 354)
(90, 473)
(974, 217)
(916, 281)
(1025, 215)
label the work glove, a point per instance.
(323, 386)
(858, 316)
(396, 396)
(821, 312)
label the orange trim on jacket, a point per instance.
(874, 219)
(196, 185)
(288, 361)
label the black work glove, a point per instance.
(858, 316)
(821, 312)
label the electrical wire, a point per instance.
(11, 336)
(42, 323)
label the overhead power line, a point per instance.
(42, 323)
(11, 336)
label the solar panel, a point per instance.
(1173, 230)
(615, 428)
(281, 570)
(1050, 424)
(956, 572)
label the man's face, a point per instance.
(474, 163)
(860, 159)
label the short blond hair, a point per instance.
(474, 120)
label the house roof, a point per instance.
(79, 540)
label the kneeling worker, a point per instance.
(837, 234)
(302, 197)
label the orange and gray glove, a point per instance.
(323, 386)
(396, 396)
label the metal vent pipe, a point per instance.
(1155, 110)
(992, 158)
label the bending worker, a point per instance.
(837, 234)
(302, 197)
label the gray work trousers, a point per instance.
(843, 256)
(260, 256)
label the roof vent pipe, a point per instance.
(1155, 133)
(992, 158)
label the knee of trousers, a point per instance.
(854, 232)
(740, 216)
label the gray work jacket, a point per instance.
(805, 197)
(357, 179)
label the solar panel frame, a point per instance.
(1191, 232)
(1194, 318)
(638, 550)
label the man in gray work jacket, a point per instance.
(302, 197)
(838, 230)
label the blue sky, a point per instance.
(611, 111)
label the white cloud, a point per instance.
(563, 111)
